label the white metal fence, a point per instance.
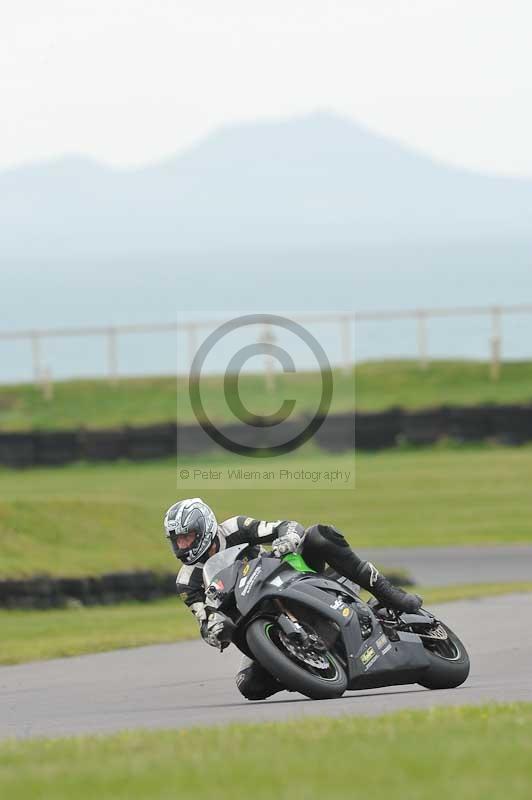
(345, 323)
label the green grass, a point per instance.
(379, 385)
(90, 519)
(464, 752)
(382, 384)
(36, 635)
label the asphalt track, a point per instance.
(175, 686)
(443, 566)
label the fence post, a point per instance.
(192, 344)
(345, 336)
(269, 375)
(47, 384)
(422, 340)
(112, 356)
(36, 357)
(495, 343)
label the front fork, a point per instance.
(290, 625)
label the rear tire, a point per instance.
(449, 663)
(286, 668)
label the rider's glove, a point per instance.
(217, 630)
(212, 629)
(287, 543)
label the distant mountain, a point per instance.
(318, 180)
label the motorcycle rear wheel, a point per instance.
(266, 644)
(449, 662)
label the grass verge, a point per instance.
(464, 752)
(36, 635)
(89, 519)
(379, 385)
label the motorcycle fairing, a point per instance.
(401, 663)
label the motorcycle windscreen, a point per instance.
(221, 561)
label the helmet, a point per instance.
(190, 527)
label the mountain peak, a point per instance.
(303, 138)
(314, 180)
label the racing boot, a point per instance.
(388, 595)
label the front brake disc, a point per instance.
(308, 655)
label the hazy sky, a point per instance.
(130, 81)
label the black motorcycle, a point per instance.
(316, 636)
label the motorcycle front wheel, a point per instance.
(316, 674)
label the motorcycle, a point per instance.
(315, 635)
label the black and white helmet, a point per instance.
(190, 527)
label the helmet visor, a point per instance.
(184, 543)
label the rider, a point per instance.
(195, 536)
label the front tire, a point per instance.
(265, 642)
(449, 662)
